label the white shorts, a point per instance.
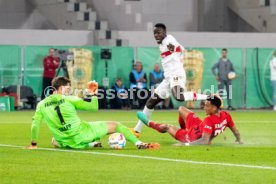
(164, 88)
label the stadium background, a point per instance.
(28, 28)
(244, 27)
(251, 89)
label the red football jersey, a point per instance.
(215, 125)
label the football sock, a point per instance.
(94, 144)
(139, 125)
(192, 96)
(127, 133)
(156, 126)
(181, 122)
(138, 142)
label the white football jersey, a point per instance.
(171, 61)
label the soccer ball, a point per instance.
(117, 141)
(231, 75)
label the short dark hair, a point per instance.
(118, 78)
(215, 100)
(224, 49)
(60, 81)
(160, 25)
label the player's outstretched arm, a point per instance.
(37, 118)
(237, 134)
(204, 140)
(89, 103)
(171, 47)
(88, 99)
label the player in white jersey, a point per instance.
(175, 76)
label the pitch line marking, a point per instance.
(149, 158)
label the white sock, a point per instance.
(140, 124)
(138, 142)
(92, 144)
(192, 96)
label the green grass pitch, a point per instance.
(170, 164)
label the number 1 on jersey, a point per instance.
(60, 115)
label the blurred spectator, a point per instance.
(273, 78)
(121, 100)
(224, 66)
(50, 64)
(156, 77)
(138, 84)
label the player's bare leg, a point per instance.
(162, 128)
(170, 129)
(183, 113)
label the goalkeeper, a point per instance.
(59, 111)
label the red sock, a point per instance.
(181, 122)
(156, 126)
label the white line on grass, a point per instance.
(149, 157)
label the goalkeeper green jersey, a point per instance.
(60, 114)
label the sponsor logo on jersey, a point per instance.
(206, 126)
(221, 125)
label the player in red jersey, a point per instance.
(194, 131)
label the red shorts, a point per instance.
(192, 131)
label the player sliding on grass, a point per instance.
(60, 114)
(193, 130)
(175, 76)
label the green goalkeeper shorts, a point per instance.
(89, 132)
(98, 129)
